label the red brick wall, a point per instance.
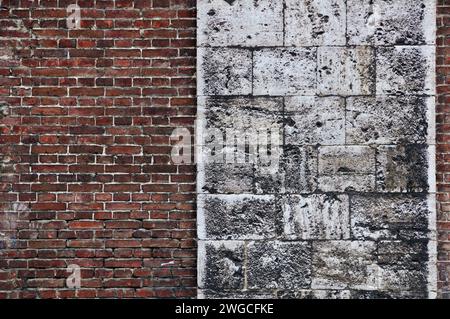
(85, 145)
(443, 146)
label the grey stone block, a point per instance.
(285, 71)
(346, 168)
(405, 254)
(224, 71)
(211, 294)
(316, 217)
(389, 120)
(346, 71)
(243, 116)
(315, 22)
(393, 217)
(403, 168)
(300, 169)
(221, 265)
(314, 294)
(406, 70)
(395, 22)
(311, 120)
(227, 178)
(239, 217)
(240, 23)
(279, 265)
(344, 265)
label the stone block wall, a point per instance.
(316, 157)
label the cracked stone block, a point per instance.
(316, 217)
(239, 217)
(300, 169)
(391, 22)
(346, 168)
(314, 120)
(344, 265)
(406, 70)
(228, 23)
(390, 217)
(389, 120)
(224, 71)
(279, 265)
(403, 168)
(227, 178)
(285, 71)
(221, 265)
(346, 71)
(315, 22)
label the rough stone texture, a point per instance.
(403, 168)
(346, 71)
(224, 71)
(311, 120)
(406, 70)
(279, 265)
(315, 22)
(389, 120)
(239, 217)
(240, 23)
(391, 22)
(223, 265)
(388, 216)
(285, 71)
(348, 209)
(346, 168)
(316, 217)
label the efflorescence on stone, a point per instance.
(345, 207)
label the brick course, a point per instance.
(86, 119)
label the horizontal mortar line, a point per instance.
(262, 47)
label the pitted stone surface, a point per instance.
(316, 217)
(224, 71)
(240, 23)
(391, 22)
(393, 217)
(344, 265)
(341, 203)
(279, 265)
(346, 71)
(403, 168)
(300, 169)
(285, 71)
(406, 70)
(239, 217)
(315, 22)
(346, 168)
(388, 120)
(311, 120)
(222, 265)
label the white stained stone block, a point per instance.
(316, 217)
(240, 23)
(315, 22)
(394, 22)
(314, 120)
(346, 71)
(290, 71)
